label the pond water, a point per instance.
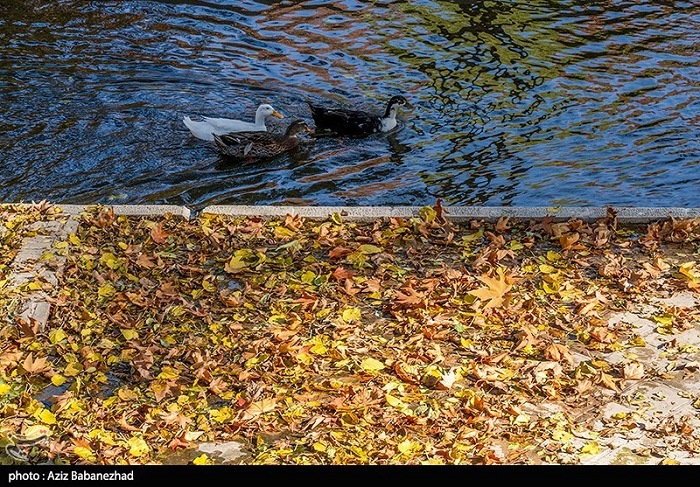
(514, 103)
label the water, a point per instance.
(514, 103)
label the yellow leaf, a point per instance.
(56, 336)
(592, 448)
(553, 256)
(221, 415)
(73, 369)
(168, 372)
(47, 417)
(405, 446)
(4, 389)
(84, 452)
(562, 436)
(318, 446)
(106, 290)
(129, 334)
(209, 286)
(235, 264)
(351, 314)
(36, 431)
(670, 461)
(202, 459)
(394, 401)
(73, 238)
(308, 277)
(137, 446)
(368, 249)
(283, 232)
(371, 365)
(547, 269)
(126, 394)
(58, 380)
(108, 259)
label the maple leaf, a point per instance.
(257, 408)
(35, 366)
(410, 297)
(608, 381)
(494, 293)
(558, 353)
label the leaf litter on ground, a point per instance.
(396, 341)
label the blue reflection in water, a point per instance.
(514, 103)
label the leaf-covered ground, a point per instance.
(400, 341)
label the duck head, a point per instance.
(266, 110)
(297, 127)
(392, 107)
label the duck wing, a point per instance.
(226, 125)
(343, 121)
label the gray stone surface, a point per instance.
(133, 210)
(624, 214)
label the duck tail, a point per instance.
(219, 143)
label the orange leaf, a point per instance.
(568, 239)
(493, 294)
(558, 353)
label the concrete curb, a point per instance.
(456, 213)
(132, 210)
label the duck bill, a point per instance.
(277, 114)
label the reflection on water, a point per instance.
(514, 103)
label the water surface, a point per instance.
(514, 103)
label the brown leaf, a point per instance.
(257, 408)
(503, 224)
(608, 381)
(123, 424)
(410, 298)
(568, 240)
(158, 235)
(35, 366)
(339, 252)
(145, 261)
(558, 352)
(602, 335)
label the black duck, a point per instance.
(358, 123)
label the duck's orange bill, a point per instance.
(277, 114)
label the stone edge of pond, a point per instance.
(457, 213)
(625, 214)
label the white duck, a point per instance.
(206, 129)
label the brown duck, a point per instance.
(260, 145)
